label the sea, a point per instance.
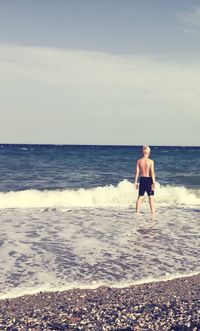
(67, 217)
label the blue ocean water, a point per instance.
(74, 166)
(67, 215)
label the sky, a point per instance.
(119, 72)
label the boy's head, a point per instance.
(146, 150)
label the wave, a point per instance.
(122, 195)
(14, 293)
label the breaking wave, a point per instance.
(122, 195)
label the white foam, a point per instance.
(122, 195)
(13, 293)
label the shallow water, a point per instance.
(53, 248)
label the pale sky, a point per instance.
(100, 72)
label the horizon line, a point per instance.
(119, 145)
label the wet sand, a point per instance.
(167, 305)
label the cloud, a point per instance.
(191, 20)
(99, 95)
(81, 69)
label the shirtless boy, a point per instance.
(145, 167)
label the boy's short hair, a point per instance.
(146, 147)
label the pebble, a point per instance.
(160, 306)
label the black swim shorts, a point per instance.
(145, 185)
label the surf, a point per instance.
(122, 195)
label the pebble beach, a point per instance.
(166, 305)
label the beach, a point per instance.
(165, 305)
(99, 165)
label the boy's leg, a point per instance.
(138, 204)
(151, 203)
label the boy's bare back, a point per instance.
(146, 167)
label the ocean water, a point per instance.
(67, 217)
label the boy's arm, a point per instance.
(153, 173)
(136, 174)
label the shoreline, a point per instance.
(159, 305)
(93, 286)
